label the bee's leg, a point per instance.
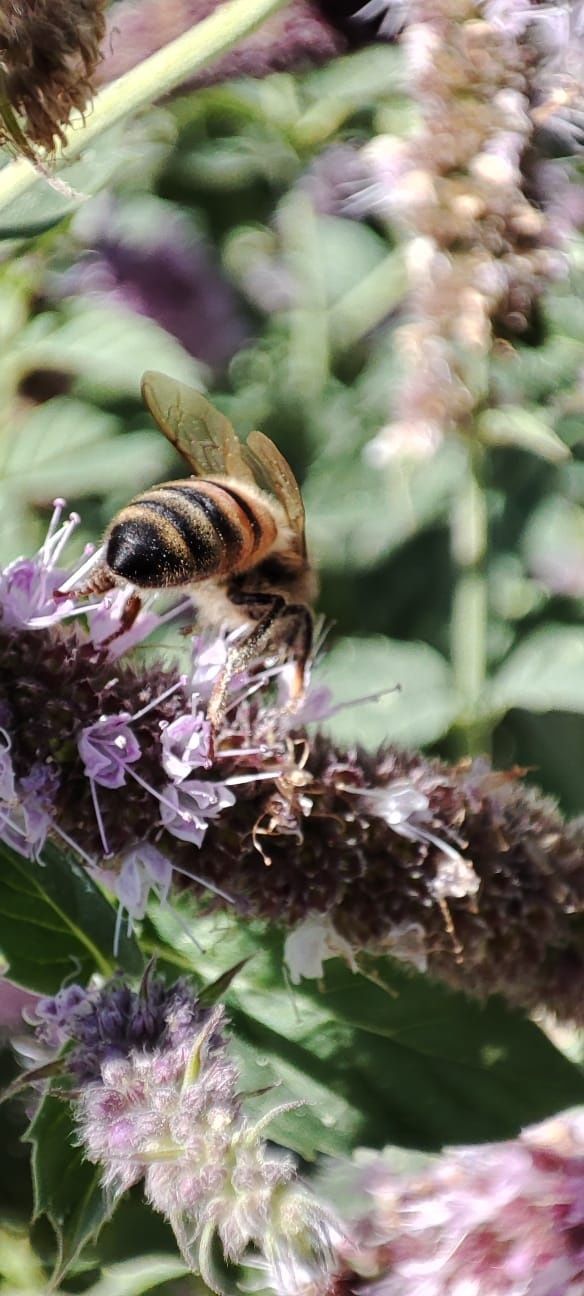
(297, 633)
(242, 653)
(99, 581)
(130, 613)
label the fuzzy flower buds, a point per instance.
(158, 1101)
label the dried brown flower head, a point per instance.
(48, 56)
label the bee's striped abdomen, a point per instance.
(181, 532)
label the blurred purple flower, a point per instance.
(305, 33)
(164, 272)
(13, 1002)
(333, 178)
(502, 1218)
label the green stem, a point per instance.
(147, 82)
(369, 301)
(469, 540)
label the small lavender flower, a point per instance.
(186, 745)
(107, 748)
(137, 873)
(187, 807)
(106, 619)
(157, 1099)
(459, 870)
(27, 805)
(504, 1218)
(28, 585)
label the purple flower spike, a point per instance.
(186, 745)
(106, 748)
(187, 808)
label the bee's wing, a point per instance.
(273, 473)
(203, 436)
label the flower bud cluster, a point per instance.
(106, 1023)
(157, 1100)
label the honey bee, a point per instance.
(232, 535)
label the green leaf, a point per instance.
(68, 447)
(66, 1186)
(421, 708)
(564, 314)
(134, 1277)
(538, 373)
(108, 346)
(524, 429)
(553, 544)
(544, 673)
(397, 1059)
(361, 78)
(368, 301)
(55, 923)
(349, 253)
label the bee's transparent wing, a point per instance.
(203, 436)
(272, 472)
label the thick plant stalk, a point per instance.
(470, 608)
